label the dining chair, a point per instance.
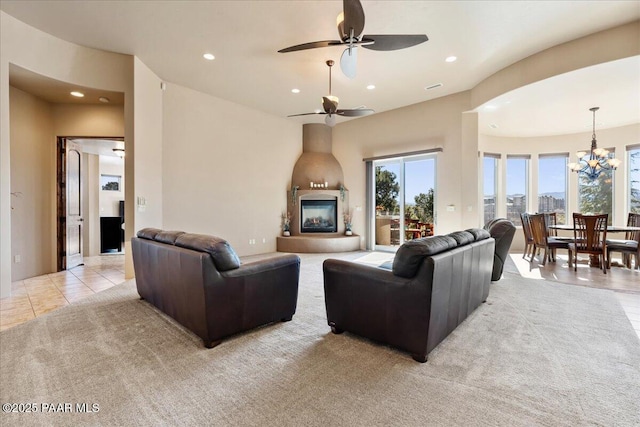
(590, 237)
(629, 247)
(528, 238)
(542, 240)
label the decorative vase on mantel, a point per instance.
(286, 233)
(348, 231)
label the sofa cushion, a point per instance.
(410, 255)
(479, 233)
(148, 233)
(462, 237)
(223, 255)
(168, 237)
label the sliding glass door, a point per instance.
(404, 189)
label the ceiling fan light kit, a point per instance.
(330, 106)
(350, 24)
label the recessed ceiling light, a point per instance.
(433, 86)
(295, 90)
(490, 107)
(493, 126)
(371, 87)
(77, 94)
(104, 99)
(209, 56)
(451, 58)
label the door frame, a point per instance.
(61, 196)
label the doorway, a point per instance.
(404, 189)
(90, 196)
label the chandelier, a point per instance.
(598, 160)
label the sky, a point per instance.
(419, 176)
(552, 175)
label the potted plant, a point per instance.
(347, 217)
(286, 224)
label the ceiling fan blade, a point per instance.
(353, 19)
(305, 114)
(355, 113)
(348, 62)
(311, 45)
(328, 105)
(394, 41)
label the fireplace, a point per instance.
(319, 216)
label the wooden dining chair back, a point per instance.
(630, 246)
(551, 219)
(590, 235)
(528, 237)
(542, 240)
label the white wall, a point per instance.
(226, 169)
(33, 161)
(109, 201)
(44, 54)
(434, 124)
(91, 204)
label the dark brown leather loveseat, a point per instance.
(199, 281)
(433, 285)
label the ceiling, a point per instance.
(170, 37)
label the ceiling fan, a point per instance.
(330, 106)
(350, 26)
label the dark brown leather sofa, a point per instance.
(502, 230)
(433, 285)
(199, 281)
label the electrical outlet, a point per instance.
(17, 259)
(264, 240)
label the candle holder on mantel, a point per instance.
(319, 185)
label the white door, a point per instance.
(73, 166)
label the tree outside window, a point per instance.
(387, 189)
(596, 196)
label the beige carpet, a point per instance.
(537, 353)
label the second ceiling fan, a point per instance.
(350, 28)
(330, 106)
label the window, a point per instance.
(517, 185)
(596, 196)
(404, 190)
(490, 186)
(633, 160)
(552, 185)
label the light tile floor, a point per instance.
(38, 295)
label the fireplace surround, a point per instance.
(318, 216)
(316, 224)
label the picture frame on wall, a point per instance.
(110, 182)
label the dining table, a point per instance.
(610, 228)
(593, 259)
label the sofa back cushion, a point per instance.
(223, 255)
(168, 237)
(479, 233)
(149, 233)
(410, 255)
(462, 237)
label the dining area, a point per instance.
(586, 238)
